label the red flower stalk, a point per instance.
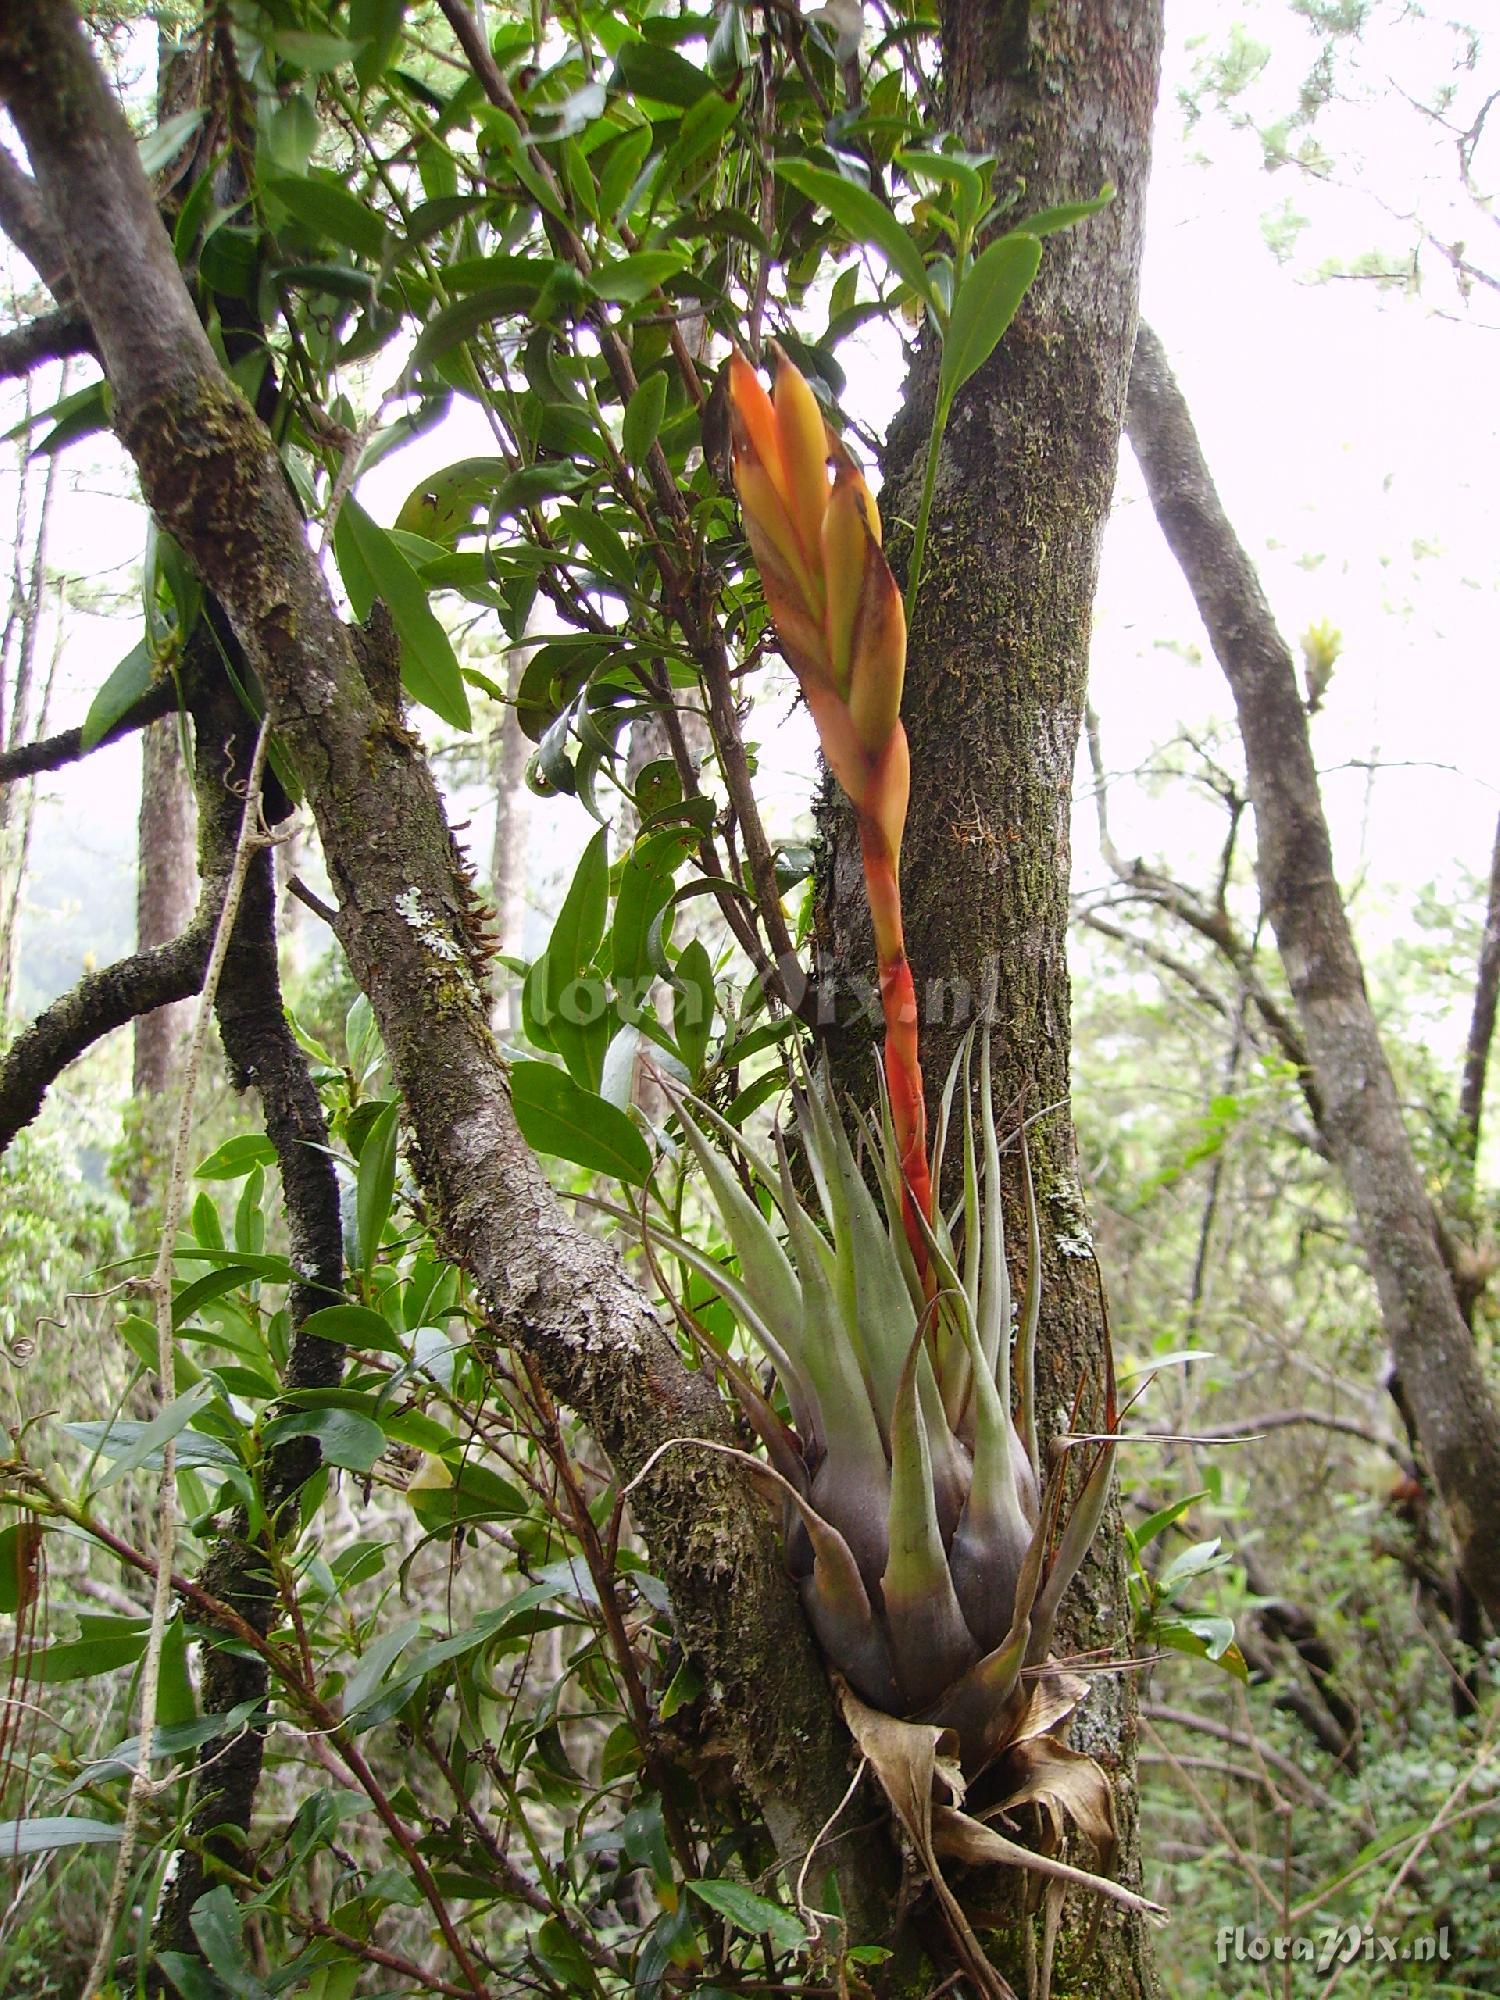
(839, 619)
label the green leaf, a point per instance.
(477, 1495)
(79, 415)
(1153, 1525)
(628, 280)
(377, 24)
(659, 75)
(313, 52)
(354, 1326)
(564, 1959)
(114, 1642)
(993, 288)
(729, 51)
(373, 566)
(863, 217)
(159, 148)
(194, 1448)
(130, 680)
(693, 1004)
(20, 1837)
(752, 1913)
(579, 929)
(169, 1422)
(218, 1922)
(645, 890)
(238, 1156)
(377, 1182)
(19, 1545)
(1197, 1560)
(330, 211)
(643, 415)
(558, 1117)
(1047, 221)
(1203, 1639)
(344, 1437)
(518, 291)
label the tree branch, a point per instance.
(98, 1004)
(1324, 1420)
(412, 933)
(52, 337)
(1455, 1411)
(54, 753)
(1210, 921)
(24, 219)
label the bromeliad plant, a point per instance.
(841, 625)
(932, 1556)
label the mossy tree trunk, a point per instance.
(1064, 96)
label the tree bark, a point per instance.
(165, 892)
(996, 675)
(409, 926)
(1440, 1366)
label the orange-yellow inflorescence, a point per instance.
(839, 619)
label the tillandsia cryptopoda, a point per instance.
(931, 1555)
(839, 618)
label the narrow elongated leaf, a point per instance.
(863, 217)
(169, 1422)
(643, 415)
(86, 1658)
(128, 683)
(628, 280)
(377, 1181)
(376, 24)
(993, 288)
(20, 1837)
(373, 566)
(752, 1913)
(660, 75)
(693, 1004)
(1047, 221)
(329, 210)
(930, 1643)
(194, 1448)
(159, 148)
(237, 1157)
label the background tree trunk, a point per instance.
(165, 896)
(1440, 1367)
(994, 703)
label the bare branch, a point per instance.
(1223, 1732)
(54, 753)
(1210, 920)
(1326, 1420)
(24, 219)
(98, 1004)
(52, 337)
